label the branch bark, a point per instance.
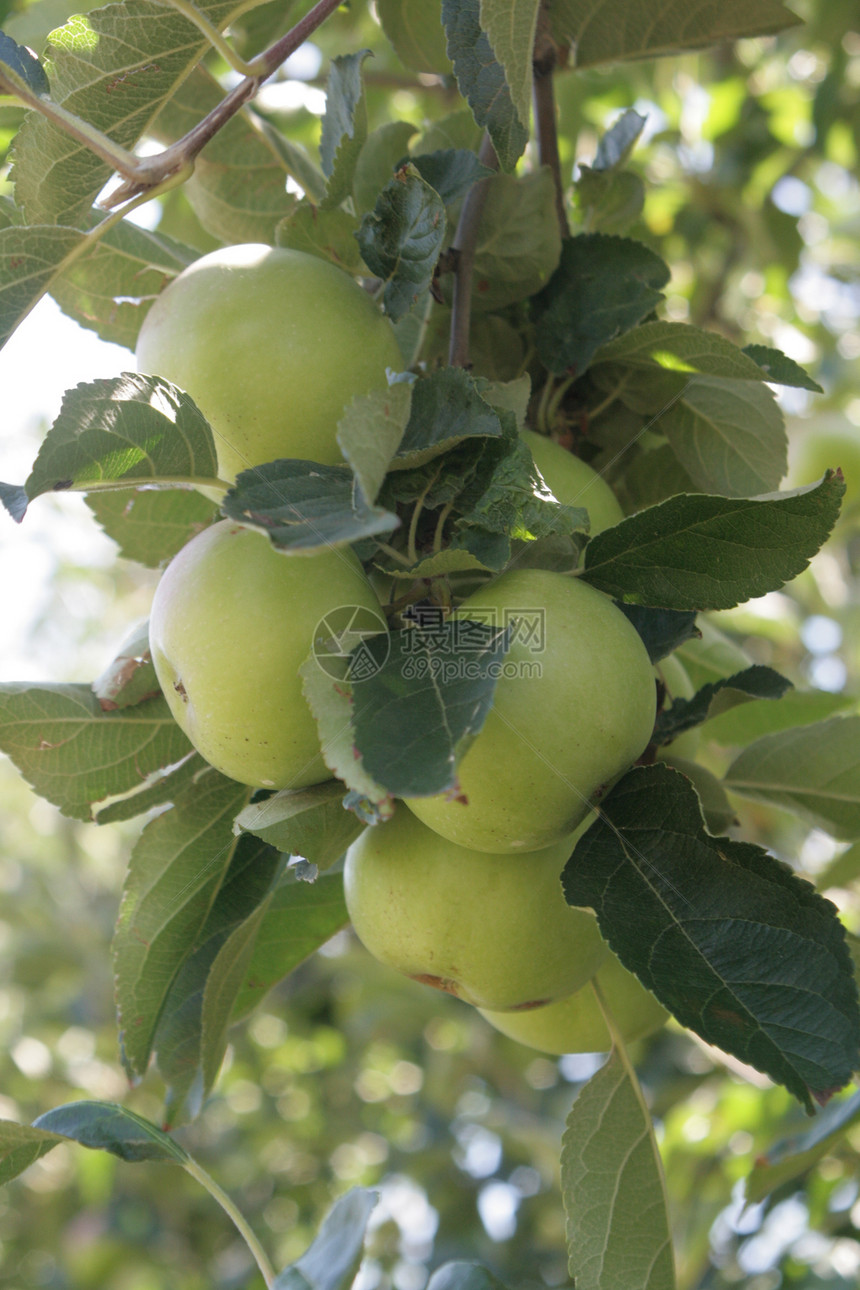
(546, 123)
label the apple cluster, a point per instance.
(463, 892)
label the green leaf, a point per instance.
(24, 64)
(662, 630)
(344, 127)
(717, 810)
(481, 79)
(793, 1157)
(842, 871)
(75, 754)
(238, 189)
(451, 171)
(730, 940)
(608, 31)
(447, 407)
(223, 984)
(415, 717)
(519, 243)
(779, 369)
(301, 916)
(699, 552)
(602, 288)
(151, 524)
(160, 788)
(304, 506)
(103, 72)
(176, 871)
(749, 721)
(728, 435)
(370, 431)
(385, 150)
(415, 29)
(111, 290)
(612, 1187)
(400, 239)
(619, 140)
(756, 682)
(331, 703)
(680, 348)
(328, 233)
(812, 771)
(104, 1126)
(331, 1262)
(124, 429)
(464, 1276)
(31, 259)
(308, 822)
(510, 26)
(130, 677)
(21, 1146)
(611, 201)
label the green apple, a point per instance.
(574, 483)
(272, 344)
(232, 621)
(576, 1025)
(493, 929)
(573, 708)
(677, 684)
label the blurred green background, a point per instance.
(348, 1074)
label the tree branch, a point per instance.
(546, 124)
(464, 244)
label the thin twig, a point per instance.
(464, 245)
(546, 122)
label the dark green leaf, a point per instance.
(31, 259)
(416, 716)
(749, 721)
(332, 1260)
(301, 916)
(447, 407)
(344, 127)
(482, 80)
(464, 1276)
(304, 506)
(662, 630)
(384, 152)
(813, 771)
(104, 1126)
(519, 242)
(451, 172)
(602, 288)
(400, 239)
(415, 29)
(756, 682)
(699, 552)
(729, 939)
(23, 64)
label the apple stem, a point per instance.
(232, 1210)
(440, 527)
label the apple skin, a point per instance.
(550, 741)
(271, 344)
(493, 929)
(232, 621)
(575, 1024)
(574, 482)
(676, 679)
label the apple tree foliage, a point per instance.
(523, 292)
